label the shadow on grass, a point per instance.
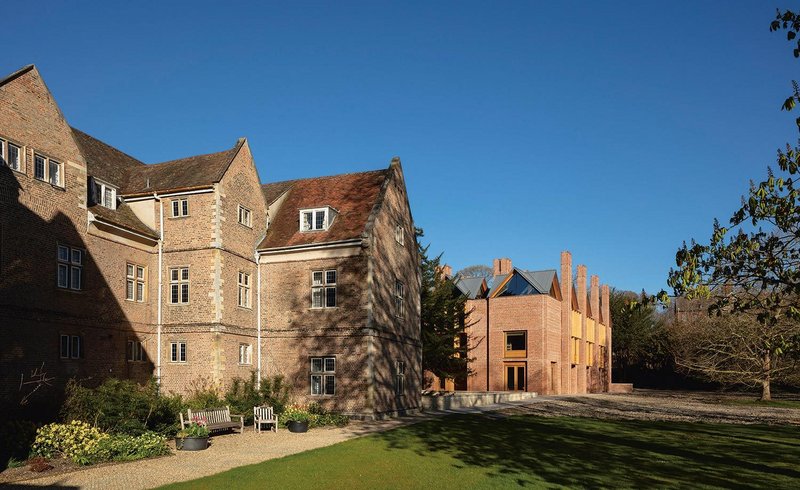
(610, 453)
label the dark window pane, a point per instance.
(330, 297)
(316, 364)
(330, 385)
(515, 341)
(185, 205)
(75, 351)
(330, 364)
(330, 277)
(510, 378)
(65, 346)
(174, 294)
(184, 293)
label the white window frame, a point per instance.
(181, 282)
(180, 208)
(72, 349)
(323, 368)
(245, 289)
(322, 286)
(245, 354)
(245, 216)
(400, 234)
(101, 189)
(135, 351)
(177, 351)
(399, 298)
(72, 264)
(135, 277)
(400, 378)
(312, 226)
(5, 146)
(47, 170)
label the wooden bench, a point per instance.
(264, 415)
(216, 419)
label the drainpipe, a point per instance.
(488, 351)
(258, 319)
(160, 283)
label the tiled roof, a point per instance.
(131, 177)
(275, 190)
(353, 196)
(123, 217)
(185, 173)
(105, 162)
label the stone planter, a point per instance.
(297, 426)
(191, 443)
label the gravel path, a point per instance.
(226, 452)
(678, 406)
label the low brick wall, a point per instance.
(621, 388)
(464, 399)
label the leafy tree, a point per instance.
(640, 348)
(751, 266)
(444, 337)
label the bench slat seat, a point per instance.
(216, 419)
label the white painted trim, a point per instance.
(311, 246)
(92, 218)
(258, 319)
(160, 284)
(172, 194)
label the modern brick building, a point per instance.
(194, 272)
(536, 331)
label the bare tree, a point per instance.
(729, 349)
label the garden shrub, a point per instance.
(243, 395)
(314, 414)
(203, 394)
(123, 447)
(122, 407)
(76, 440)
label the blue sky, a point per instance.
(615, 130)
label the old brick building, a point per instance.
(193, 272)
(536, 331)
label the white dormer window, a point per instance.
(316, 219)
(106, 195)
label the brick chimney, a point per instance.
(580, 288)
(566, 320)
(502, 266)
(594, 296)
(446, 271)
(605, 294)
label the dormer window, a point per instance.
(106, 195)
(316, 219)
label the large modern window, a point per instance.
(179, 285)
(516, 345)
(10, 154)
(135, 283)
(399, 298)
(245, 354)
(70, 268)
(314, 219)
(244, 289)
(135, 351)
(47, 169)
(177, 351)
(71, 347)
(323, 375)
(245, 216)
(180, 208)
(323, 289)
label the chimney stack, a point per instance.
(502, 266)
(566, 320)
(605, 293)
(594, 295)
(446, 271)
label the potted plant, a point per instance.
(296, 419)
(193, 438)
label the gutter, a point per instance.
(160, 284)
(174, 192)
(311, 246)
(94, 217)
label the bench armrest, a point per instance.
(236, 415)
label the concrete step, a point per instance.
(448, 400)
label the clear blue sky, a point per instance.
(615, 130)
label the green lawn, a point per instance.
(472, 451)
